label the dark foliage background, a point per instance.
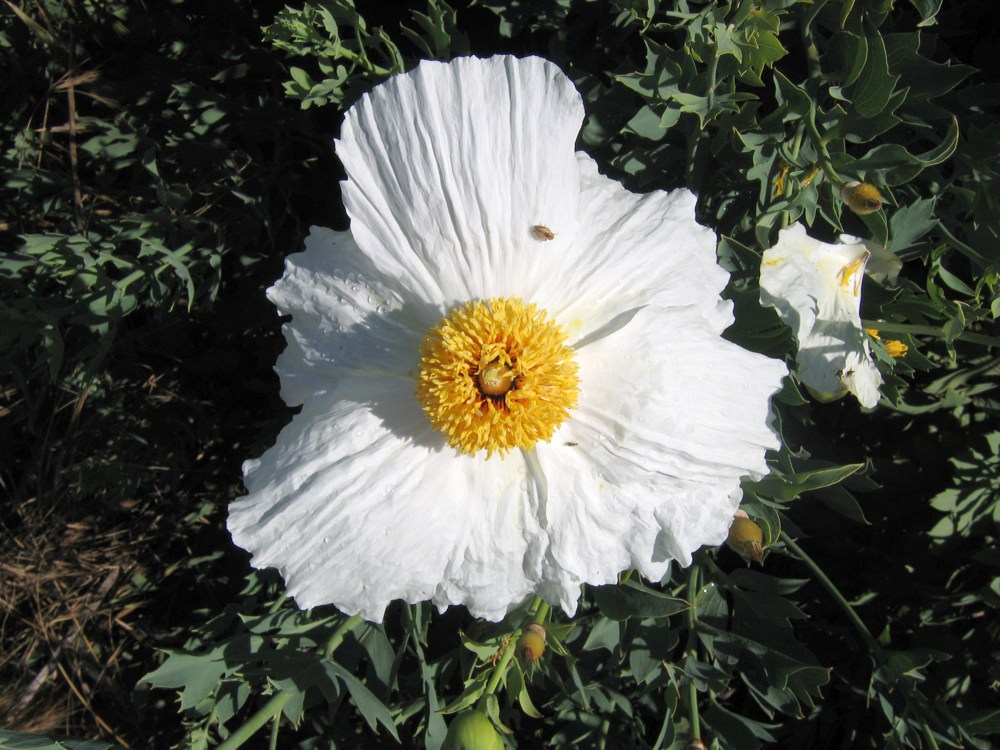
(158, 162)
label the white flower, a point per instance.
(816, 289)
(576, 414)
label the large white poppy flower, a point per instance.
(511, 372)
(816, 288)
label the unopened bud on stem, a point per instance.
(746, 539)
(531, 644)
(472, 730)
(861, 197)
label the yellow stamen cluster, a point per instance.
(851, 274)
(893, 347)
(496, 375)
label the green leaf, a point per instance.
(632, 599)
(843, 502)
(909, 223)
(199, 674)
(10, 740)
(897, 165)
(371, 708)
(927, 9)
(604, 633)
(847, 54)
(871, 91)
(978, 721)
(738, 731)
(647, 124)
(516, 685)
(789, 486)
(470, 694)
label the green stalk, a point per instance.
(835, 593)
(338, 635)
(694, 578)
(907, 690)
(270, 710)
(918, 330)
(498, 672)
(275, 726)
(603, 743)
(540, 608)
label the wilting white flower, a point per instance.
(816, 288)
(511, 372)
(883, 266)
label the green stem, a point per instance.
(338, 635)
(540, 609)
(713, 68)
(275, 725)
(835, 593)
(277, 602)
(918, 330)
(800, 130)
(694, 581)
(499, 670)
(663, 731)
(929, 736)
(270, 710)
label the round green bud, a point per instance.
(472, 730)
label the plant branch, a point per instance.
(918, 330)
(264, 714)
(835, 593)
(338, 635)
(693, 582)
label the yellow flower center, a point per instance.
(498, 375)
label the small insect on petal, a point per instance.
(542, 232)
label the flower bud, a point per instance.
(472, 730)
(746, 539)
(861, 197)
(695, 745)
(531, 645)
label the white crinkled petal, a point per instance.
(816, 289)
(357, 514)
(648, 469)
(347, 319)
(450, 166)
(658, 252)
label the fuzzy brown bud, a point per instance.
(531, 645)
(861, 197)
(746, 539)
